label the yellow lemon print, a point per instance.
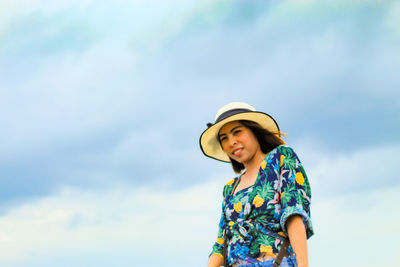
(263, 165)
(281, 160)
(267, 250)
(299, 178)
(238, 207)
(230, 182)
(220, 241)
(258, 201)
(282, 234)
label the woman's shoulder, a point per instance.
(228, 187)
(279, 152)
(287, 150)
(283, 149)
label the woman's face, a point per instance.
(238, 142)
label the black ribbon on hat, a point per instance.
(229, 113)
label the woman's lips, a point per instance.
(237, 152)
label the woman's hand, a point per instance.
(298, 239)
(215, 260)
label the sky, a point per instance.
(102, 105)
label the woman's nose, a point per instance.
(232, 141)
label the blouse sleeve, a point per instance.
(219, 244)
(295, 190)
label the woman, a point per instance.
(266, 209)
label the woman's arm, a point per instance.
(295, 202)
(298, 239)
(215, 260)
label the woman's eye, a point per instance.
(222, 139)
(236, 132)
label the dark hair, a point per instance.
(266, 139)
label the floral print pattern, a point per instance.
(280, 190)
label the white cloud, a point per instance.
(84, 222)
(77, 94)
(133, 67)
(55, 97)
(181, 225)
(391, 21)
(356, 229)
(140, 22)
(69, 97)
(66, 100)
(332, 174)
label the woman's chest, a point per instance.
(251, 202)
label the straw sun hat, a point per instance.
(234, 111)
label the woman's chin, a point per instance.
(240, 159)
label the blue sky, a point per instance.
(102, 105)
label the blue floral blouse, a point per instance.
(280, 190)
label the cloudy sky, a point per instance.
(102, 104)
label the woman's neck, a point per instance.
(252, 167)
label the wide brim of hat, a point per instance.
(209, 138)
